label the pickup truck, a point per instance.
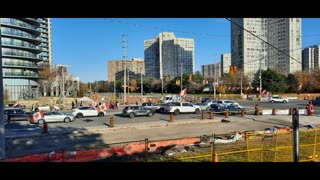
(182, 107)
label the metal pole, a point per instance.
(214, 82)
(141, 85)
(63, 96)
(114, 86)
(2, 139)
(295, 131)
(128, 81)
(181, 78)
(124, 71)
(260, 80)
(162, 86)
(241, 83)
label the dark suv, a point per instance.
(132, 111)
(13, 114)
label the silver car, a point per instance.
(56, 116)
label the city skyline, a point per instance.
(100, 39)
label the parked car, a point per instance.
(183, 107)
(226, 103)
(163, 108)
(132, 111)
(18, 106)
(13, 114)
(151, 105)
(274, 99)
(215, 107)
(233, 109)
(87, 111)
(203, 106)
(56, 116)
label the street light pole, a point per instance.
(214, 82)
(114, 86)
(124, 71)
(181, 78)
(241, 84)
(63, 96)
(260, 81)
(141, 84)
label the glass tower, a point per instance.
(22, 57)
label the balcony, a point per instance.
(22, 65)
(22, 75)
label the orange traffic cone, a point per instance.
(215, 158)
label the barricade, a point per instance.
(211, 115)
(171, 117)
(203, 115)
(111, 124)
(45, 127)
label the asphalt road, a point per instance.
(25, 128)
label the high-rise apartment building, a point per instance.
(21, 56)
(135, 66)
(166, 56)
(211, 71)
(311, 58)
(225, 63)
(45, 38)
(250, 53)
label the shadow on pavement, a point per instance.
(25, 139)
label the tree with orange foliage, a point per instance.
(84, 89)
(49, 78)
(133, 83)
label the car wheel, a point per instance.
(41, 121)
(197, 111)
(131, 115)
(176, 112)
(272, 101)
(150, 114)
(101, 114)
(79, 115)
(66, 120)
(207, 109)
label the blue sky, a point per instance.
(86, 44)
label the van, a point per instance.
(169, 98)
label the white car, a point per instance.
(226, 103)
(57, 116)
(203, 106)
(278, 99)
(87, 111)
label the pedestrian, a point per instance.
(117, 104)
(136, 102)
(310, 108)
(76, 102)
(72, 105)
(257, 109)
(33, 108)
